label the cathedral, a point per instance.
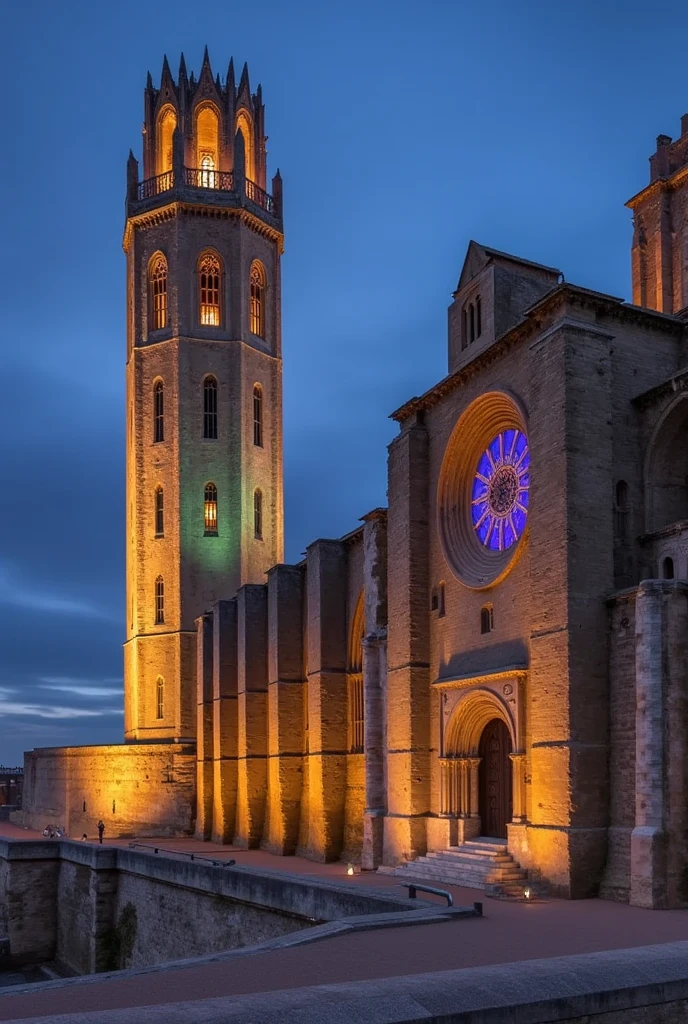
(499, 656)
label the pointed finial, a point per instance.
(218, 83)
(230, 71)
(243, 84)
(259, 93)
(278, 176)
(206, 58)
(149, 81)
(182, 67)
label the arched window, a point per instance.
(207, 146)
(167, 122)
(210, 408)
(258, 514)
(209, 273)
(158, 412)
(157, 292)
(159, 512)
(486, 618)
(257, 303)
(245, 126)
(160, 698)
(159, 601)
(258, 415)
(668, 568)
(210, 508)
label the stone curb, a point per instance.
(600, 985)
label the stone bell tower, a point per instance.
(660, 238)
(203, 241)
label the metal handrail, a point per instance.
(182, 853)
(414, 887)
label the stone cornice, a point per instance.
(172, 210)
(661, 185)
(471, 679)
(547, 308)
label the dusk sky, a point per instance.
(402, 130)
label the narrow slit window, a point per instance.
(478, 318)
(160, 698)
(157, 280)
(258, 514)
(158, 412)
(209, 274)
(257, 299)
(464, 328)
(668, 568)
(210, 508)
(159, 512)
(258, 416)
(486, 619)
(210, 408)
(471, 314)
(440, 601)
(159, 601)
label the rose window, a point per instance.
(501, 485)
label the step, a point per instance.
(486, 847)
(471, 856)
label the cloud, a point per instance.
(81, 687)
(53, 711)
(14, 591)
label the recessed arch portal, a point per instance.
(469, 718)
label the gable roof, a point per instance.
(478, 256)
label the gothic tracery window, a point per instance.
(210, 508)
(210, 408)
(257, 299)
(157, 291)
(158, 412)
(159, 601)
(258, 416)
(209, 274)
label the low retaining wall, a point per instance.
(93, 908)
(647, 985)
(144, 789)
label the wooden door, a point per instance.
(495, 779)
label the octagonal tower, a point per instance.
(203, 241)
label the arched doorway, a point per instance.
(494, 779)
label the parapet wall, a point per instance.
(97, 908)
(137, 789)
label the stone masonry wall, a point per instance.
(136, 789)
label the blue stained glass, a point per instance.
(501, 490)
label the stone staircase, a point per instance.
(480, 863)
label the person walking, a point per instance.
(101, 829)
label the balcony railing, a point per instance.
(154, 186)
(201, 177)
(259, 197)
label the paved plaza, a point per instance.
(507, 932)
